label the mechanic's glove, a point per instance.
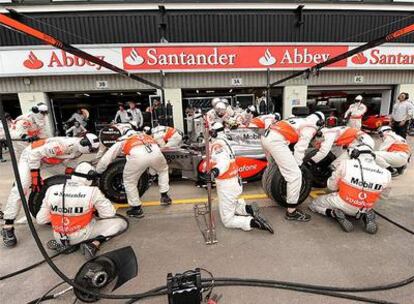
(310, 164)
(69, 171)
(215, 172)
(37, 181)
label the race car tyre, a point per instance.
(36, 198)
(111, 182)
(321, 171)
(274, 184)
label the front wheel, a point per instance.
(111, 182)
(274, 184)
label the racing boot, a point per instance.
(89, 250)
(135, 212)
(165, 199)
(394, 172)
(368, 219)
(260, 223)
(340, 217)
(253, 209)
(297, 215)
(9, 238)
(1, 215)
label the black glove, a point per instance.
(215, 172)
(310, 164)
(29, 139)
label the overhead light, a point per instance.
(197, 91)
(85, 94)
(231, 90)
(139, 93)
(209, 91)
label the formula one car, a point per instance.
(373, 122)
(188, 160)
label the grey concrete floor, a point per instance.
(168, 240)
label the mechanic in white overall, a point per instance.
(28, 128)
(276, 141)
(358, 183)
(221, 112)
(234, 212)
(52, 156)
(165, 136)
(355, 113)
(70, 207)
(394, 151)
(142, 152)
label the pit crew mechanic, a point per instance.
(56, 155)
(165, 136)
(142, 152)
(70, 208)
(394, 151)
(276, 141)
(234, 212)
(29, 127)
(358, 183)
(355, 113)
(221, 112)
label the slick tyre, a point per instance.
(321, 172)
(275, 185)
(36, 199)
(111, 182)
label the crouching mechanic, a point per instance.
(358, 183)
(142, 152)
(276, 141)
(56, 155)
(70, 207)
(167, 137)
(394, 151)
(234, 212)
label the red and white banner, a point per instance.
(39, 61)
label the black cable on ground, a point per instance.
(46, 295)
(394, 222)
(15, 273)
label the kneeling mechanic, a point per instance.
(70, 208)
(358, 183)
(234, 212)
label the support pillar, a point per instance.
(175, 98)
(293, 96)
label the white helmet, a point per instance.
(320, 118)
(384, 129)
(251, 108)
(84, 173)
(359, 98)
(220, 108)
(214, 101)
(88, 144)
(147, 130)
(278, 116)
(365, 140)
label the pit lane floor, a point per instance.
(168, 240)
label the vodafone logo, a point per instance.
(32, 62)
(246, 168)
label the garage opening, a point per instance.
(102, 106)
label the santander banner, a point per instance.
(228, 57)
(39, 61)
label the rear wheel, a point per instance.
(111, 182)
(36, 199)
(274, 184)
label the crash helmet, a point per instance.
(220, 108)
(320, 118)
(364, 139)
(40, 108)
(214, 101)
(278, 116)
(216, 129)
(88, 144)
(383, 129)
(358, 98)
(252, 109)
(84, 173)
(128, 132)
